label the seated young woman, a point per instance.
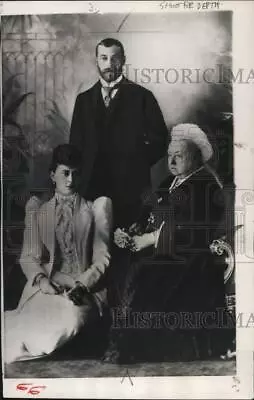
(65, 257)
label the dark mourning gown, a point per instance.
(180, 279)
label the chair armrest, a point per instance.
(221, 248)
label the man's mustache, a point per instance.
(108, 70)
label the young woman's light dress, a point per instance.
(73, 235)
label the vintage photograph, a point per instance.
(118, 195)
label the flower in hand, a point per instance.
(122, 239)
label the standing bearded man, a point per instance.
(119, 127)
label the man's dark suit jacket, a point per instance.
(119, 144)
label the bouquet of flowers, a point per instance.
(123, 238)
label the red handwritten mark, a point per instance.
(36, 389)
(30, 388)
(23, 386)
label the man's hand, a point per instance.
(143, 241)
(47, 287)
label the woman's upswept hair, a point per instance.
(65, 154)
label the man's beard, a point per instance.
(110, 75)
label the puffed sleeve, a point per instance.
(103, 220)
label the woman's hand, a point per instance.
(48, 287)
(143, 241)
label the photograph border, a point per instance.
(240, 385)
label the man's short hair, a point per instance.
(109, 42)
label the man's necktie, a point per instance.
(108, 90)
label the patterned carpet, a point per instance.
(94, 368)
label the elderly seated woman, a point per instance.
(175, 288)
(65, 256)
